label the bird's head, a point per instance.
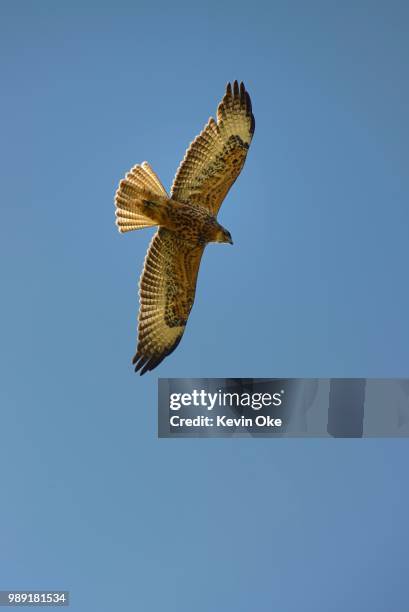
(223, 235)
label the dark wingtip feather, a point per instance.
(242, 94)
(249, 111)
(248, 103)
(138, 365)
(145, 368)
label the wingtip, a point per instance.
(143, 363)
(238, 90)
(242, 93)
(138, 361)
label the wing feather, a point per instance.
(215, 158)
(167, 291)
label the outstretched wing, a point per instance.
(215, 158)
(167, 292)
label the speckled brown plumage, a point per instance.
(187, 222)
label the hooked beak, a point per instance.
(230, 241)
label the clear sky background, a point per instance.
(315, 285)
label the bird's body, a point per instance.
(193, 224)
(187, 222)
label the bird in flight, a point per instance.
(186, 220)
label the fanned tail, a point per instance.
(140, 185)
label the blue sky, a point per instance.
(315, 285)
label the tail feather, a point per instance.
(140, 185)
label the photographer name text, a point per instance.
(224, 421)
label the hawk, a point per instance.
(186, 221)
